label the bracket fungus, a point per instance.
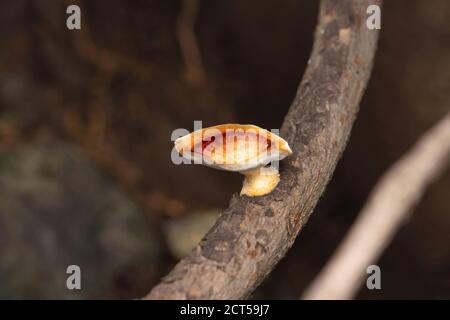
(247, 149)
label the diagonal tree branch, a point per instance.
(388, 206)
(253, 234)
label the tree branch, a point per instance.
(253, 234)
(388, 206)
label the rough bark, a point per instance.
(253, 234)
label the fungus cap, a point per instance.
(239, 148)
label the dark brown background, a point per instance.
(111, 94)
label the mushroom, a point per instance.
(247, 149)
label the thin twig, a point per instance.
(195, 72)
(389, 204)
(253, 234)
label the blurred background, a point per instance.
(85, 123)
